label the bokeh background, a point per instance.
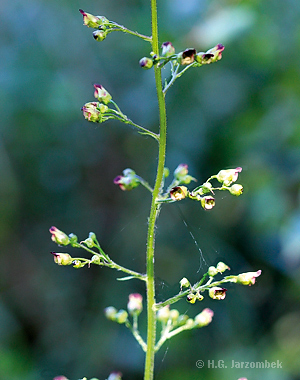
(58, 169)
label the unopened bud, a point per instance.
(167, 49)
(135, 304)
(204, 318)
(128, 180)
(236, 189)
(221, 267)
(90, 20)
(248, 278)
(146, 63)
(174, 314)
(184, 283)
(60, 378)
(78, 264)
(212, 271)
(163, 314)
(121, 316)
(62, 258)
(58, 236)
(228, 176)
(99, 34)
(212, 55)
(110, 313)
(101, 94)
(115, 376)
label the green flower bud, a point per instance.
(184, 283)
(99, 34)
(73, 239)
(174, 314)
(121, 316)
(217, 293)
(95, 260)
(101, 94)
(189, 323)
(186, 57)
(62, 258)
(146, 63)
(78, 264)
(163, 314)
(58, 236)
(92, 236)
(236, 189)
(228, 176)
(205, 188)
(178, 193)
(89, 242)
(180, 172)
(221, 267)
(182, 319)
(110, 313)
(248, 278)
(135, 304)
(167, 49)
(212, 271)
(204, 318)
(166, 172)
(207, 202)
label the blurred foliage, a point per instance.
(57, 169)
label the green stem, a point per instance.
(122, 28)
(155, 207)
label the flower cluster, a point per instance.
(187, 57)
(203, 193)
(100, 23)
(215, 291)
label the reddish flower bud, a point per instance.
(248, 278)
(101, 94)
(128, 180)
(92, 21)
(58, 236)
(60, 378)
(135, 304)
(146, 63)
(204, 318)
(115, 376)
(91, 112)
(217, 293)
(167, 49)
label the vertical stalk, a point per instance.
(150, 283)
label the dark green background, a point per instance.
(58, 169)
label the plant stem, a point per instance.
(155, 207)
